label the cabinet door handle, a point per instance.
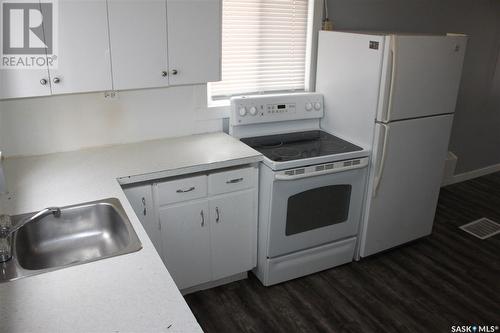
(234, 181)
(174, 72)
(164, 73)
(202, 218)
(44, 82)
(217, 218)
(185, 191)
(56, 80)
(144, 212)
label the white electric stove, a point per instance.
(311, 185)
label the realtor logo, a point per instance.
(28, 34)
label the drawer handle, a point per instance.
(185, 191)
(234, 181)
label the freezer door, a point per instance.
(423, 76)
(405, 182)
(348, 75)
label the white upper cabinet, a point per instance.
(194, 41)
(138, 35)
(141, 30)
(18, 83)
(104, 45)
(84, 62)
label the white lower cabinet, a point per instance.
(213, 236)
(204, 226)
(233, 233)
(186, 242)
(141, 200)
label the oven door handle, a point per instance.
(363, 164)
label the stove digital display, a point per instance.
(282, 106)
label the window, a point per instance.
(264, 45)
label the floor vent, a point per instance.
(482, 228)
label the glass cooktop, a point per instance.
(299, 145)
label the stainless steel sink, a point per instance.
(82, 233)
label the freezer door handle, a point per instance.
(393, 68)
(380, 171)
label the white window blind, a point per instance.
(263, 47)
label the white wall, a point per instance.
(476, 130)
(69, 122)
(1, 141)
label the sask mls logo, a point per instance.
(28, 34)
(475, 328)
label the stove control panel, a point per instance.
(247, 110)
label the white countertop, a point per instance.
(129, 293)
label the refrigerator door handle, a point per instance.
(380, 171)
(393, 78)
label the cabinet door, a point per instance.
(83, 54)
(141, 200)
(18, 82)
(186, 242)
(138, 36)
(194, 40)
(233, 233)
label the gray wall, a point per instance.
(476, 130)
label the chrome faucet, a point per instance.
(6, 229)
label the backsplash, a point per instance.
(69, 122)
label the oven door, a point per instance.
(312, 210)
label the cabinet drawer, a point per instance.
(234, 180)
(182, 189)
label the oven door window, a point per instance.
(317, 208)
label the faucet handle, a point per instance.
(3, 187)
(5, 224)
(5, 239)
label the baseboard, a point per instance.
(461, 177)
(213, 284)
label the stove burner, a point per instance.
(285, 152)
(272, 144)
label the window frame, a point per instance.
(220, 108)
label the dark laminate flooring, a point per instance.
(448, 278)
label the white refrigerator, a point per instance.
(394, 94)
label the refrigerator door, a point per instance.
(424, 76)
(405, 181)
